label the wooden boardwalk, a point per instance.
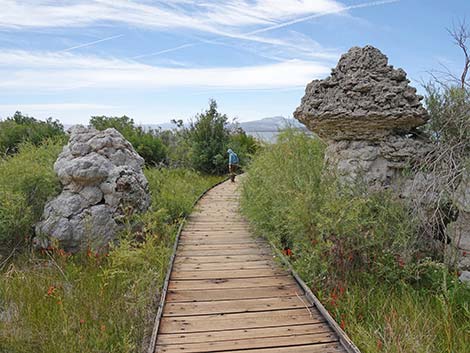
(227, 294)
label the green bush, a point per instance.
(245, 146)
(209, 136)
(357, 250)
(27, 179)
(21, 128)
(147, 142)
(449, 116)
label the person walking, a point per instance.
(232, 164)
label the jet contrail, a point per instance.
(273, 27)
(166, 50)
(91, 43)
(303, 19)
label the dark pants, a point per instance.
(232, 169)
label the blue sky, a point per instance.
(158, 60)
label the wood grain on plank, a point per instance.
(268, 342)
(219, 322)
(211, 336)
(233, 294)
(234, 306)
(209, 284)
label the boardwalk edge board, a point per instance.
(161, 304)
(343, 337)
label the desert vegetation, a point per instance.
(360, 252)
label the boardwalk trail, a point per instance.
(227, 294)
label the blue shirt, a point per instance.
(232, 158)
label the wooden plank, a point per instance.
(199, 227)
(207, 284)
(215, 274)
(221, 322)
(224, 266)
(310, 348)
(238, 246)
(235, 252)
(269, 342)
(234, 306)
(219, 241)
(232, 294)
(221, 259)
(211, 336)
(216, 235)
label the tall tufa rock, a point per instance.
(367, 113)
(363, 99)
(102, 181)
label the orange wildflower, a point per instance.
(51, 290)
(379, 344)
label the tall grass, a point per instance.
(57, 302)
(27, 179)
(359, 251)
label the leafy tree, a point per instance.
(209, 136)
(147, 142)
(21, 128)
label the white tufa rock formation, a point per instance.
(102, 180)
(367, 112)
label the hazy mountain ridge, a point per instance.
(265, 129)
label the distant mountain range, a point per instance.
(265, 129)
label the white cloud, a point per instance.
(204, 15)
(21, 70)
(53, 107)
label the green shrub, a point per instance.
(27, 179)
(20, 128)
(147, 142)
(245, 146)
(209, 136)
(357, 250)
(449, 116)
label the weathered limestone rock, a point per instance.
(367, 113)
(378, 163)
(459, 231)
(102, 179)
(363, 99)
